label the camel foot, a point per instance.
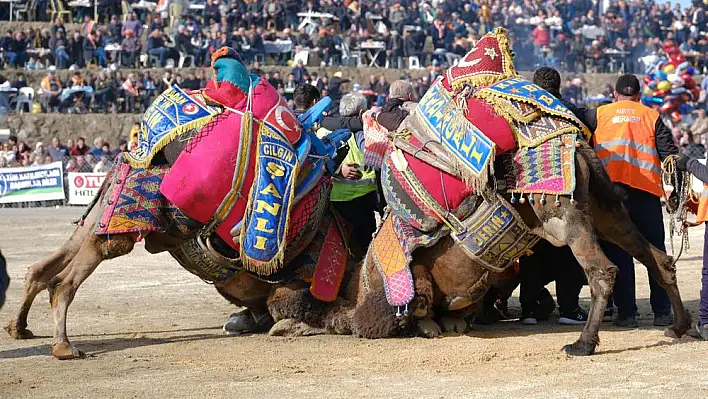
(453, 324)
(294, 328)
(18, 333)
(679, 328)
(428, 328)
(579, 348)
(66, 351)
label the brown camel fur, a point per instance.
(63, 272)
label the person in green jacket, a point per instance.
(354, 190)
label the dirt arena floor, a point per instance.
(151, 329)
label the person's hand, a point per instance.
(682, 163)
(351, 171)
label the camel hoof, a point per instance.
(579, 349)
(420, 306)
(294, 328)
(18, 333)
(429, 328)
(454, 325)
(66, 351)
(679, 328)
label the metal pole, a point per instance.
(95, 11)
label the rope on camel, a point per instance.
(679, 215)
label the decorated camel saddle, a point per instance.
(252, 177)
(479, 135)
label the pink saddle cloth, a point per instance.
(203, 173)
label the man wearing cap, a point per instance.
(631, 141)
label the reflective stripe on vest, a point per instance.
(702, 215)
(348, 189)
(625, 143)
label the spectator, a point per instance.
(133, 24)
(102, 91)
(130, 49)
(166, 82)
(39, 153)
(155, 45)
(15, 50)
(59, 47)
(299, 72)
(541, 39)
(335, 86)
(72, 165)
(191, 83)
(57, 150)
(80, 149)
(184, 42)
(113, 31)
(82, 165)
(130, 90)
(51, 90)
(147, 89)
(97, 150)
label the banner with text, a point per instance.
(83, 187)
(32, 183)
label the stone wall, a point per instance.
(32, 128)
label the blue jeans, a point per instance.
(16, 59)
(100, 54)
(62, 58)
(645, 211)
(160, 52)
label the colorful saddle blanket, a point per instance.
(134, 204)
(391, 251)
(172, 114)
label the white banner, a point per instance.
(32, 183)
(83, 187)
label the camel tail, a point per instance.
(99, 194)
(608, 195)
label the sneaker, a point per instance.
(574, 318)
(529, 319)
(626, 322)
(700, 332)
(609, 314)
(663, 320)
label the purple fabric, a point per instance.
(703, 312)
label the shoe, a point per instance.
(529, 319)
(609, 314)
(626, 322)
(700, 332)
(663, 320)
(574, 318)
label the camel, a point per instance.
(444, 274)
(63, 272)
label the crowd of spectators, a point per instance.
(76, 155)
(575, 35)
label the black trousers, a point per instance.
(359, 212)
(549, 263)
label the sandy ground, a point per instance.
(151, 329)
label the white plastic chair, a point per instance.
(183, 57)
(24, 96)
(413, 62)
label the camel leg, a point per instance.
(250, 293)
(661, 267)
(573, 226)
(39, 275)
(298, 313)
(92, 252)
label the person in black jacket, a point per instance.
(549, 263)
(4, 279)
(392, 114)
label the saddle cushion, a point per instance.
(134, 204)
